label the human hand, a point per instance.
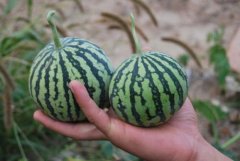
(177, 140)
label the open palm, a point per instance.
(176, 140)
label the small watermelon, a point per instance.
(148, 88)
(60, 62)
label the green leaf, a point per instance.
(22, 159)
(109, 150)
(10, 5)
(183, 59)
(218, 56)
(220, 62)
(216, 36)
(14, 41)
(229, 153)
(106, 148)
(74, 159)
(211, 112)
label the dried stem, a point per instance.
(7, 77)
(72, 25)
(137, 9)
(147, 9)
(79, 5)
(186, 47)
(16, 60)
(62, 32)
(7, 101)
(124, 26)
(139, 31)
(23, 19)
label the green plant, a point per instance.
(9, 6)
(183, 59)
(18, 46)
(214, 114)
(218, 56)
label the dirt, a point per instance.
(186, 20)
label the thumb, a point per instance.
(95, 115)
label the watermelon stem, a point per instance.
(123, 25)
(136, 40)
(144, 6)
(56, 39)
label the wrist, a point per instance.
(206, 152)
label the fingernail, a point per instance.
(71, 87)
(35, 115)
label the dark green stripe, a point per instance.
(115, 89)
(37, 85)
(80, 42)
(66, 79)
(94, 72)
(55, 80)
(155, 93)
(48, 49)
(180, 70)
(47, 94)
(33, 70)
(139, 84)
(104, 63)
(83, 41)
(172, 76)
(77, 65)
(173, 63)
(133, 93)
(94, 69)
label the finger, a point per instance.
(185, 116)
(94, 114)
(80, 131)
(112, 114)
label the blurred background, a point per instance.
(204, 36)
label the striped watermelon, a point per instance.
(62, 61)
(147, 89)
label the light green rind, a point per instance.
(88, 57)
(143, 113)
